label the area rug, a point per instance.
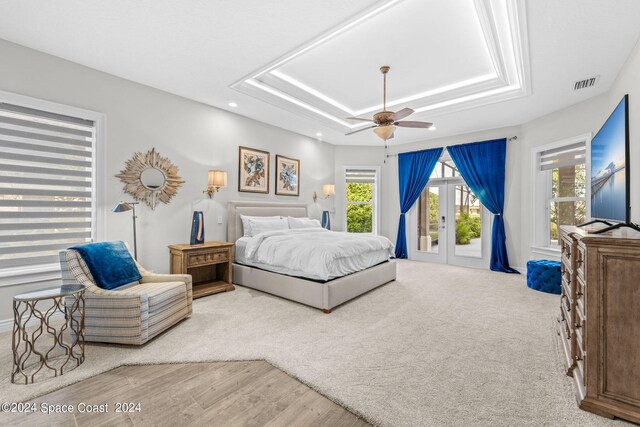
(441, 346)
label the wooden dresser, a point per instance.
(599, 322)
(209, 264)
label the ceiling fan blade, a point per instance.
(358, 118)
(410, 124)
(360, 130)
(402, 113)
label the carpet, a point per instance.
(442, 345)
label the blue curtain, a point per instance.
(482, 164)
(414, 170)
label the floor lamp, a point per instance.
(125, 207)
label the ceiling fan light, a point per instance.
(384, 132)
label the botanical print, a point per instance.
(253, 173)
(287, 176)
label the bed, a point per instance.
(285, 283)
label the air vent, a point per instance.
(583, 84)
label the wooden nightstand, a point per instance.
(209, 264)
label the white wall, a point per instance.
(586, 117)
(196, 137)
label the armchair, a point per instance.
(130, 314)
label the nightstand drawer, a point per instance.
(220, 256)
(207, 258)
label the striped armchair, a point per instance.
(131, 314)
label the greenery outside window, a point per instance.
(567, 204)
(560, 189)
(361, 199)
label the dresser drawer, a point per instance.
(566, 316)
(565, 303)
(566, 248)
(580, 353)
(580, 317)
(564, 324)
(580, 368)
(580, 261)
(565, 269)
(204, 258)
(581, 291)
(566, 289)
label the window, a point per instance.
(445, 168)
(47, 185)
(560, 193)
(362, 199)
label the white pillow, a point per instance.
(262, 225)
(303, 223)
(246, 226)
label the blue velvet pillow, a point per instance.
(110, 263)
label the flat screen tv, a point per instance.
(610, 168)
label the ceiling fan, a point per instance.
(386, 121)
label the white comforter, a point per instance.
(313, 250)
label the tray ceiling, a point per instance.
(444, 56)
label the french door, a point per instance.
(448, 224)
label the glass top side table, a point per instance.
(46, 344)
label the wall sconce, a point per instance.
(216, 181)
(328, 190)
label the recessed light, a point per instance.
(433, 127)
(233, 104)
(318, 134)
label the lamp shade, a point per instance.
(122, 207)
(328, 189)
(217, 179)
(384, 132)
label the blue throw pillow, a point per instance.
(110, 263)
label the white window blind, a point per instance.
(46, 184)
(569, 155)
(360, 175)
(361, 203)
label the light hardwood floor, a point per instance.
(247, 393)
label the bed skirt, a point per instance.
(324, 296)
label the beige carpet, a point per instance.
(441, 346)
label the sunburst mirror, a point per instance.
(150, 178)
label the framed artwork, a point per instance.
(287, 176)
(253, 171)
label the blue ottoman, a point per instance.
(544, 276)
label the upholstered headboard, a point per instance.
(257, 208)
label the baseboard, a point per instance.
(7, 324)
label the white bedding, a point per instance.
(313, 253)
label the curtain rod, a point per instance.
(512, 138)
